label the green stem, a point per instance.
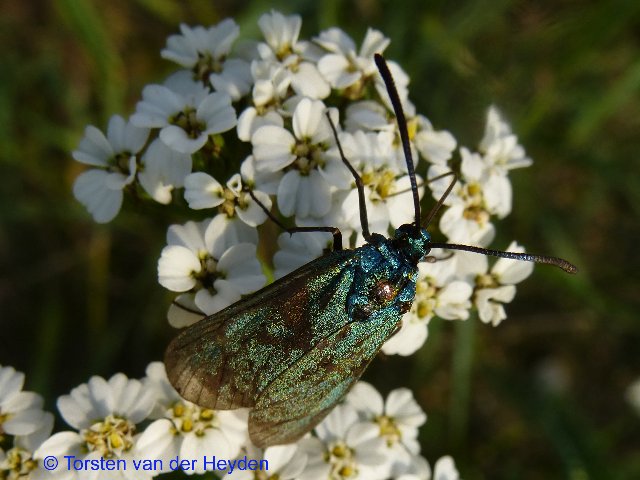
(461, 381)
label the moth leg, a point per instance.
(335, 231)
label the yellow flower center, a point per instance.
(110, 437)
(381, 182)
(388, 429)
(188, 417)
(308, 157)
(188, 121)
(475, 206)
(342, 460)
(425, 300)
(17, 465)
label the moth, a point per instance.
(291, 351)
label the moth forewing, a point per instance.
(224, 361)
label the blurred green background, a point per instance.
(542, 395)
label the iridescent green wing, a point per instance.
(307, 391)
(224, 361)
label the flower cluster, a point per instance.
(277, 93)
(243, 130)
(364, 437)
(23, 428)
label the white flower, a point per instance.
(467, 220)
(20, 412)
(500, 147)
(497, 287)
(438, 293)
(270, 90)
(303, 191)
(344, 66)
(285, 462)
(204, 48)
(397, 420)
(345, 448)
(199, 260)
(436, 146)
(280, 32)
(186, 113)
(100, 189)
(204, 191)
(185, 430)
(205, 52)
(163, 170)
(282, 45)
(21, 417)
(445, 469)
(387, 189)
(299, 249)
(106, 415)
(417, 469)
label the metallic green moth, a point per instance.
(291, 351)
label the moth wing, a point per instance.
(224, 361)
(306, 392)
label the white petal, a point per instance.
(158, 442)
(409, 339)
(253, 215)
(366, 399)
(91, 190)
(273, 148)
(288, 195)
(158, 104)
(183, 311)
(249, 122)
(23, 422)
(307, 118)
(510, 271)
(11, 382)
(175, 268)
(60, 444)
(217, 112)
(403, 407)
(125, 137)
(224, 232)
(225, 294)
(177, 139)
(94, 148)
(190, 235)
(308, 82)
(201, 190)
(445, 469)
(335, 68)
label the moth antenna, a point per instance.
(364, 221)
(335, 231)
(402, 127)
(434, 210)
(527, 257)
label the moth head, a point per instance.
(413, 242)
